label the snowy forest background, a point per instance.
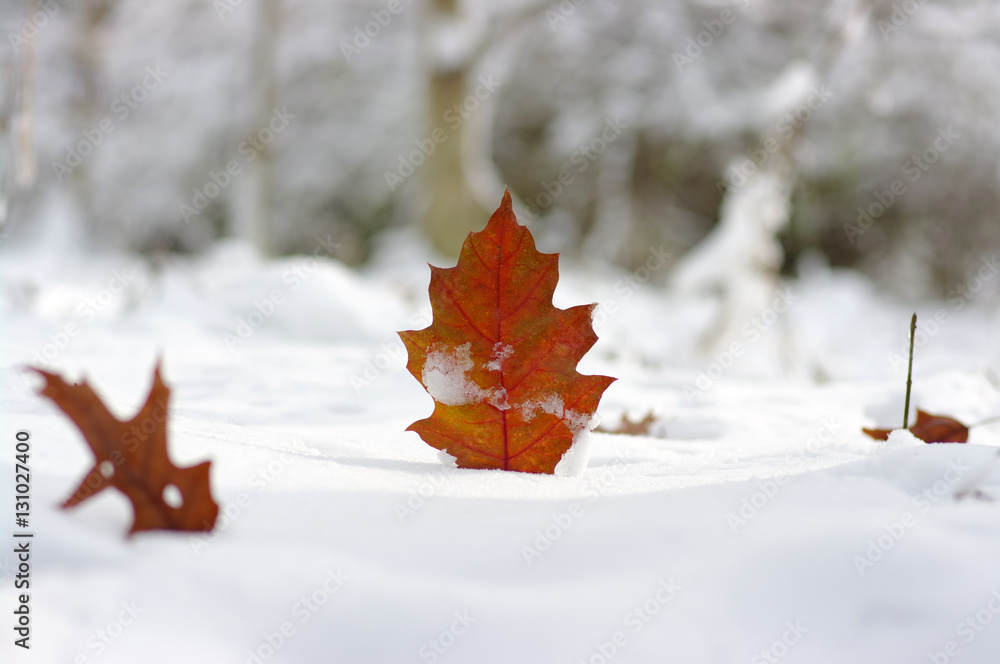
(757, 193)
(841, 95)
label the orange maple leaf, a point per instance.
(930, 429)
(132, 457)
(500, 360)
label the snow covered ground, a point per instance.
(758, 524)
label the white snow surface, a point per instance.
(764, 522)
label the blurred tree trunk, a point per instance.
(260, 206)
(87, 51)
(614, 229)
(27, 168)
(8, 96)
(453, 210)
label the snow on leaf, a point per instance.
(132, 457)
(499, 359)
(501, 352)
(444, 378)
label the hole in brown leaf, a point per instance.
(172, 496)
(107, 469)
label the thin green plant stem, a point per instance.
(909, 373)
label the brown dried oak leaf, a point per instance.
(930, 429)
(132, 457)
(500, 360)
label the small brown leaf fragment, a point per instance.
(132, 457)
(629, 428)
(930, 429)
(939, 429)
(878, 434)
